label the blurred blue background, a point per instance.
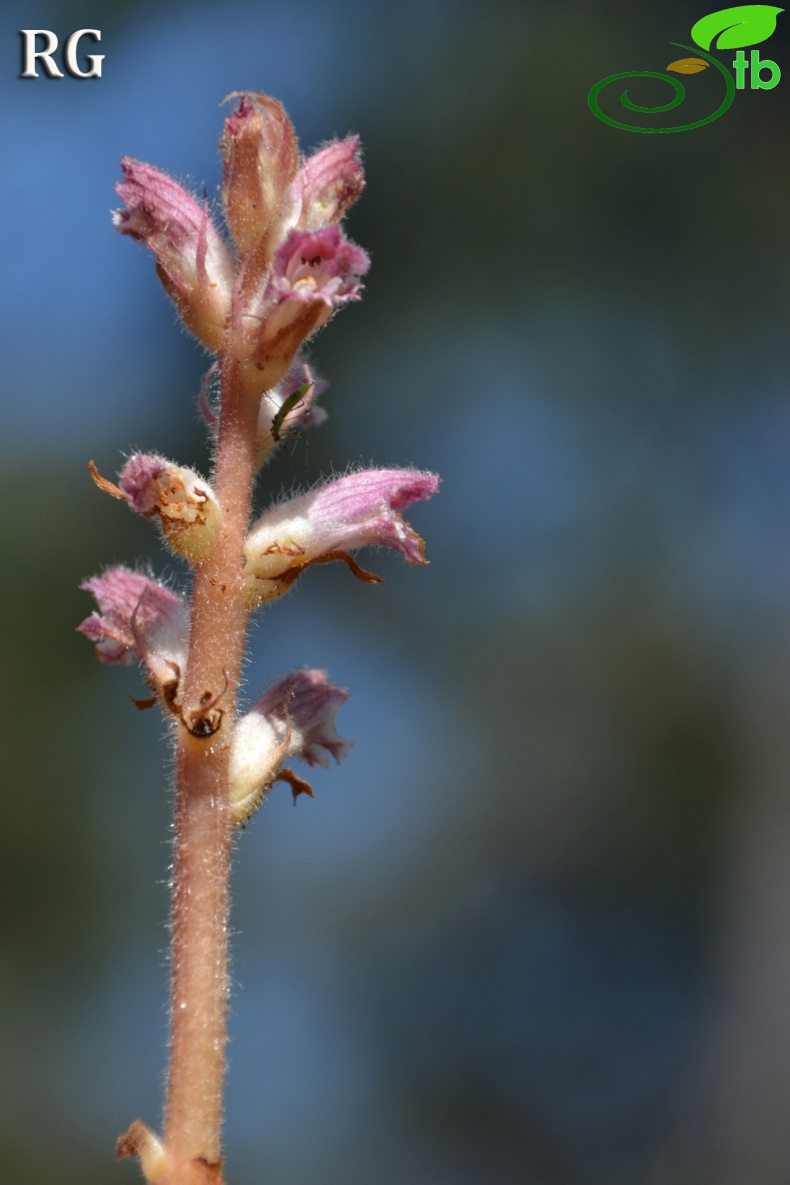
(536, 928)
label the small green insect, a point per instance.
(287, 406)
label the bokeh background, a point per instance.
(536, 928)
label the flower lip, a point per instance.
(319, 265)
(139, 478)
(303, 704)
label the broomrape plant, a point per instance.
(253, 300)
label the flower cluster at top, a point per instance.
(292, 266)
(255, 302)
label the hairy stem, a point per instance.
(203, 821)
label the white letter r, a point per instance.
(31, 53)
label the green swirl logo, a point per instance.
(731, 28)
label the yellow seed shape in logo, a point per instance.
(688, 65)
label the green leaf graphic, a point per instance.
(748, 24)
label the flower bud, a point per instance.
(260, 155)
(185, 504)
(188, 511)
(192, 261)
(359, 510)
(295, 718)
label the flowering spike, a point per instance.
(139, 619)
(288, 269)
(295, 718)
(359, 510)
(192, 261)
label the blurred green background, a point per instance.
(536, 929)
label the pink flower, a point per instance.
(302, 706)
(313, 273)
(328, 182)
(130, 606)
(139, 619)
(294, 266)
(359, 510)
(295, 718)
(194, 264)
(316, 266)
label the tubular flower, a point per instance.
(313, 273)
(193, 262)
(295, 718)
(260, 157)
(293, 265)
(360, 510)
(327, 183)
(319, 269)
(185, 504)
(139, 619)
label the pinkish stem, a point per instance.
(203, 820)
